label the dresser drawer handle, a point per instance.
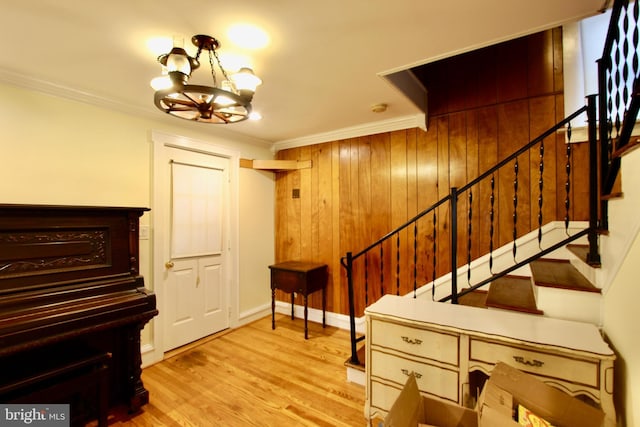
(407, 373)
(534, 362)
(411, 341)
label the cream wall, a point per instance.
(621, 310)
(59, 151)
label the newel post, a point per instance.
(593, 257)
(352, 309)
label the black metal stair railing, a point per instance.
(619, 92)
(617, 110)
(427, 221)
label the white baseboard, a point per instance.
(252, 315)
(340, 321)
(356, 376)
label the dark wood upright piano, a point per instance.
(72, 306)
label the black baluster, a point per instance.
(469, 231)
(617, 79)
(491, 218)
(515, 207)
(435, 251)
(625, 55)
(366, 279)
(636, 36)
(540, 195)
(398, 264)
(381, 269)
(415, 258)
(567, 187)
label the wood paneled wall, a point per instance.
(483, 107)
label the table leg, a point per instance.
(324, 305)
(273, 308)
(306, 331)
(292, 300)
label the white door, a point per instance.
(195, 280)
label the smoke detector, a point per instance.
(379, 108)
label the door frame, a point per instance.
(161, 140)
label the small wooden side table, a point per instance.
(301, 277)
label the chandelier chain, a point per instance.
(224, 73)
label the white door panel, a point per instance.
(195, 279)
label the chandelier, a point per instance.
(228, 100)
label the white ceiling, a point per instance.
(321, 70)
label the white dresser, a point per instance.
(442, 343)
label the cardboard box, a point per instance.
(508, 387)
(412, 409)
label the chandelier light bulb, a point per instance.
(161, 82)
(245, 80)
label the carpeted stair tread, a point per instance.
(477, 298)
(512, 293)
(561, 274)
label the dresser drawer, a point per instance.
(438, 346)
(572, 370)
(382, 397)
(431, 379)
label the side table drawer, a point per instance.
(432, 345)
(288, 281)
(549, 365)
(431, 379)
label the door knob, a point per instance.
(168, 264)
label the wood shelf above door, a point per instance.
(275, 165)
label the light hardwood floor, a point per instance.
(254, 376)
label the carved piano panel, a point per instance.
(69, 279)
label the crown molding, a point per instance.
(61, 91)
(72, 94)
(372, 128)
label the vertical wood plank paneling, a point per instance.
(346, 226)
(399, 209)
(458, 176)
(444, 188)
(308, 198)
(488, 156)
(412, 201)
(427, 180)
(486, 74)
(359, 188)
(322, 216)
(558, 63)
(543, 117)
(513, 120)
(512, 70)
(540, 63)
(473, 160)
(339, 303)
(380, 208)
(361, 173)
(580, 182)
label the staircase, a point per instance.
(545, 286)
(553, 270)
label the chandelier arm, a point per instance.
(185, 94)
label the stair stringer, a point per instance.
(623, 222)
